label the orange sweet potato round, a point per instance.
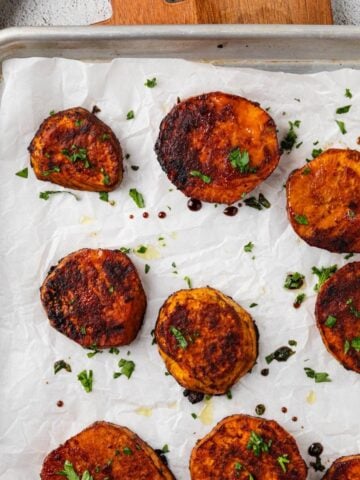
(217, 147)
(344, 468)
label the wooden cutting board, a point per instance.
(129, 12)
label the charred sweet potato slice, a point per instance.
(344, 468)
(95, 297)
(206, 340)
(323, 201)
(106, 451)
(75, 149)
(338, 315)
(216, 146)
(244, 447)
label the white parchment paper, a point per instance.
(206, 246)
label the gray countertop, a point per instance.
(85, 12)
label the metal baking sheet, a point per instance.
(292, 49)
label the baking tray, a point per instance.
(281, 48)
(288, 48)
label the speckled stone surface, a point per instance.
(53, 12)
(84, 12)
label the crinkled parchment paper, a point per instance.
(206, 246)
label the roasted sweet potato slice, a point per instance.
(75, 149)
(206, 340)
(95, 297)
(323, 201)
(216, 147)
(344, 468)
(105, 451)
(338, 315)
(244, 447)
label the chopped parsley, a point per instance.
(294, 281)
(355, 343)
(86, 380)
(94, 350)
(259, 203)
(106, 178)
(70, 473)
(194, 416)
(248, 247)
(352, 309)
(181, 340)
(240, 160)
(141, 249)
(124, 250)
(290, 139)
(292, 343)
(24, 173)
(319, 377)
(77, 154)
(52, 112)
(127, 368)
(127, 451)
(150, 83)
(341, 110)
(237, 466)
(348, 93)
(104, 196)
(299, 300)
(280, 355)
(137, 197)
(346, 346)
(204, 178)
(78, 123)
(105, 136)
(252, 305)
(55, 169)
(257, 444)
(306, 171)
(165, 448)
(316, 152)
(330, 321)
(301, 219)
(46, 195)
(188, 281)
(114, 350)
(348, 255)
(61, 364)
(130, 115)
(147, 268)
(134, 167)
(283, 460)
(229, 394)
(324, 273)
(341, 126)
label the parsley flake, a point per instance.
(301, 219)
(86, 380)
(342, 110)
(330, 321)
(24, 173)
(341, 126)
(70, 473)
(348, 93)
(127, 368)
(294, 281)
(204, 178)
(55, 169)
(299, 300)
(188, 281)
(151, 83)
(290, 139)
(130, 115)
(257, 444)
(324, 273)
(248, 247)
(46, 195)
(181, 340)
(283, 460)
(240, 160)
(60, 365)
(319, 377)
(137, 197)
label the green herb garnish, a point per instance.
(352, 309)
(283, 460)
(259, 203)
(257, 444)
(77, 154)
(319, 377)
(324, 273)
(61, 364)
(70, 473)
(24, 173)
(150, 83)
(137, 197)
(316, 152)
(104, 196)
(124, 250)
(78, 123)
(86, 380)
(147, 268)
(204, 178)
(141, 249)
(46, 195)
(330, 321)
(252, 305)
(194, 416)
(341, 126)
(127, 451)
(341, 110)
(280, 355)
(181, 340)
(248, 247)
(294, 281)
(299, 300)
(105, 136)
(301, 219)
(165, 448)
(355, 343)
(126, 368)
(130, 115)
(290, 139)
(94, 350)
(188, 281)
(55, 169)
(348, 255)
(114, 351)
(240, 160)
(348, 93)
